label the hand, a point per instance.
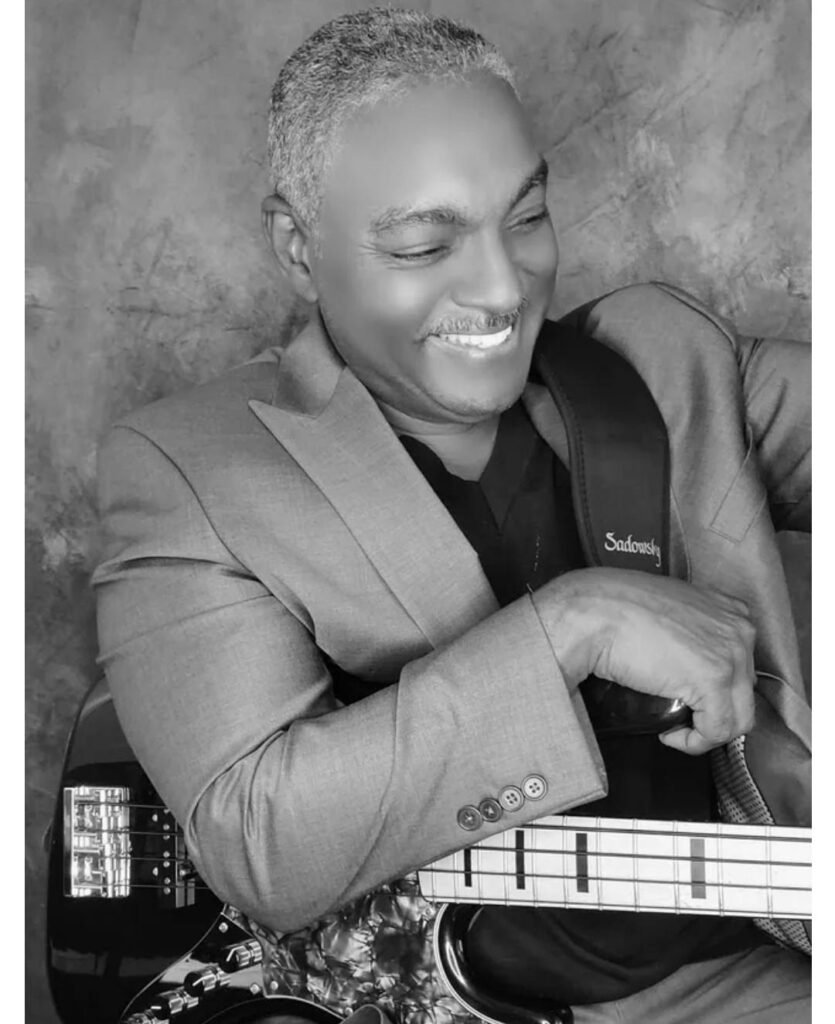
(660, 636)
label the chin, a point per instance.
(472, 408)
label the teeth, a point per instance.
(478, 340)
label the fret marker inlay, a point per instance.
(520, 859)
(647, 865)
(581, 859)
(698, 888)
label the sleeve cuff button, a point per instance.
(490, 809)
(534, 787)
(469, 818)
(511, 798)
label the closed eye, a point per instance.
(420, 254)
(534, 218)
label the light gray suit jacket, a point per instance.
(270, 520)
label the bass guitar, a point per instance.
(135, 937)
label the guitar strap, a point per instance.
(618, 447)
(620, 482)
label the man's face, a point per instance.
(436, 258)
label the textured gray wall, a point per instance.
(678, 137)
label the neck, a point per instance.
(634, 864)
(464, 448)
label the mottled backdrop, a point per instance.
(678, 137)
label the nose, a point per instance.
(488, 280)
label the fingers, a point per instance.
(660, 636)
(690, 741)
(725, 709)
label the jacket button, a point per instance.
(534, 787)
(490, 809)
(469, 818)
(511, 798)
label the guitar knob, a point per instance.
(199, 982)
(165, 1006)
(242, 954)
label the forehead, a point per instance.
(465, 145)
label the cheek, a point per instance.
(384, 302)
(374, 316)
(537, 257)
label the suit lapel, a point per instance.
(334, 430)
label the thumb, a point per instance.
(687, 740)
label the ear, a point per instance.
(291, 243)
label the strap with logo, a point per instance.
(620, 480)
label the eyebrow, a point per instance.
(403, 216)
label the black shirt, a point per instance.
(518, 517)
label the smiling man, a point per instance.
(345, 608)
(432, 277)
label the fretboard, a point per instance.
(631, 864)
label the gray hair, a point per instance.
(351, 62)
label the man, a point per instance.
(344, 604)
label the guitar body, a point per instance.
(136, 951)
(135, 937)
(107, 955)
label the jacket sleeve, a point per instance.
(292, 804)
(776, 381)
(777, 397)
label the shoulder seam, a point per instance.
(187, 482)
(685, 299)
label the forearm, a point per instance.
(291, 821)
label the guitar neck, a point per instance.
(630, 864)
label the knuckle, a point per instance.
(718, 729)
(739, 605)
(732, 603)
(747, 630)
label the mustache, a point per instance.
(490, 324)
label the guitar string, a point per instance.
(635, 857)
(724, 830)
(629, 855)
(478, 872)
(175, 863)
(502, 873)
(129, 832)
(89, 801)
(686, 830)
(476, 897)
(554, 851)
(136, 886)
(483, 872)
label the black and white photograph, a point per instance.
(418, 415)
